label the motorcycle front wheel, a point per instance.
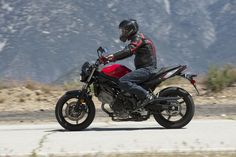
(73, 117)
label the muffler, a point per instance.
(161, 103)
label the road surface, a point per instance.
(210, 110)
(117, 137)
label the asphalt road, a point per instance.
(117, 137)
(49, 115)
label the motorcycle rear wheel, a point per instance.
(66, 118)
(186, 117)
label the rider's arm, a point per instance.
(129, 50)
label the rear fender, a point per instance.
(163, 91)
(191, 79)
(169, 89)
(162, 99)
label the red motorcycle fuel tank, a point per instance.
(115, 70)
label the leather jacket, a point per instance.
(142, 48)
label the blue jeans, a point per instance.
(130, 81)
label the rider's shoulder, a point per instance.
(137, 36)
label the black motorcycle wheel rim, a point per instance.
(176, 116)
(73, 116)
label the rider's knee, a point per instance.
(123, 84)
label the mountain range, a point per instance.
(48, 40)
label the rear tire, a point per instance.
(74, 127)
(187, 117)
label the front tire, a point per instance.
(63, 117)
(186, 118)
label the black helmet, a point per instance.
(128, 28)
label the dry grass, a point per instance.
(174, 80)
(72, 85)
(38, 93)
(219, 78)
(45, 88)
(2, 86)
(21, 100)
(38, 99)
(31, 85)
(8, 84)
(2, 100)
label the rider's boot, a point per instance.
(142, 103)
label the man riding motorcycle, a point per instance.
(145, 60)
(75, 110)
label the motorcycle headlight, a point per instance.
(85, 71)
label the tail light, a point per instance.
(190, 77)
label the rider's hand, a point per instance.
(110, 58)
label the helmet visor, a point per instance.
(122, 32)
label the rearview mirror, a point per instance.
(100, 49)
(105, 50)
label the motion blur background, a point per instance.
(46, 40)
(43, 44)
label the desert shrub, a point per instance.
(174, 80)
(75, 84)
(2, 100)
(8, 84)
(219, 78)
(45, 88)
(31, 85)
(21, 100)
(1, 85)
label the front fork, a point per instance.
(82, 98)
(84, 94)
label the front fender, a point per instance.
(78, 94)
(74, 93)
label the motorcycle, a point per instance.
(173, 107)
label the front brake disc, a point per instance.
(72, 114)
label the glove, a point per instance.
(110, 58)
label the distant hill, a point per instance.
(49, 40)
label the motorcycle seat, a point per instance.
(156, 79)
(158, 72)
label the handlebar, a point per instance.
(101, 58)
(100, 51)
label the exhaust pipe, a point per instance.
(161, 103)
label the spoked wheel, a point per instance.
(180, 113)
(73, 117)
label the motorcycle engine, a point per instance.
(122, 107)
(105, 97)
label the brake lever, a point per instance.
(103, 60)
